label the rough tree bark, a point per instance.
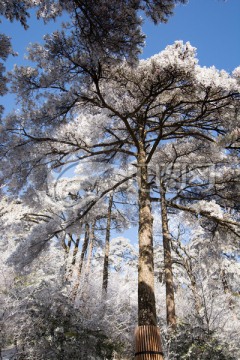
(170, 301)
(147, 317)
(146, 297)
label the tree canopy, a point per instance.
(154, 142)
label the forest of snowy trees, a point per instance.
(103, 142)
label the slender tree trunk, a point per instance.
(69, 243)
(84, 247)
(90, 250)
(64, 246)
(147, 317)
(196, 296)
(83, 254)
(170, 302)
(107, 246)
(75, 250)
(66, 254)
(88, 265)
(226, 288)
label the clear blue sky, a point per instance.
(212, 26)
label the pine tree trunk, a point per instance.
(170, 302)
(146, 297)
(69, 243)
(226, 288)
(75, 251)
(65, 248)
(84, 249)
(90, 251)
(67, 251)
(88, 265)
(83, 254)
(197, 299)
(107, 246)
